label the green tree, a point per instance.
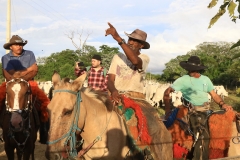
(107, 54)
(64, 61)
(59, 62)
(2, 79)
(231, 7)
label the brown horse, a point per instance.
(17, 120)
(81, 111)
(214, 134)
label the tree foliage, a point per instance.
(233, 9)
(64, 61)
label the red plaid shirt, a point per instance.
(96, 79)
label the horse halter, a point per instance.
(28, 94)
(20, 117)
(71, 134)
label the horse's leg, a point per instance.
(234, 148)
(32, 153)
(28, 151)
(9, 151)
(19, 154)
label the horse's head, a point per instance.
(61, 109)
(18, 97)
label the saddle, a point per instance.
(213, 124)
(136, 124)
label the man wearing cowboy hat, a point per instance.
(127, 70)
(195, 88)
(18, 59)
(23, 61)
(125, 83)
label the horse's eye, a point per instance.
(67, 112)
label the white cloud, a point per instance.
(174, 27)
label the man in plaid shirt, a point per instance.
(96, 77)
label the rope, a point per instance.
(70, 135)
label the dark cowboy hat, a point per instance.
(14, 40)
(139, 35)
(192, 64)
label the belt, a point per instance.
(203, 108)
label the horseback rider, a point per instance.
(24, 62)
(195, 88)
(126, 85)
(127, 71)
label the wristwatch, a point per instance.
(122, 42)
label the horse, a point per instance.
(81, 111)
(18, 120)
(194, 132)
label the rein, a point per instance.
(70, 135)
(27, 108)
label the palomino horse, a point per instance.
(81, 111)
(17, 120)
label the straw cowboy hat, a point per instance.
(139, 35)
(192, 64)
(14, 40)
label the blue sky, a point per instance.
(174, 27)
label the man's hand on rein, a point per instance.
(115, 97)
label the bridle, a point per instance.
(24, 113)
(71, 134)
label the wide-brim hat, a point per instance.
(139, 35)
(192, 64)
(14, 40)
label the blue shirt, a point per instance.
(17, 63)
(194, 90)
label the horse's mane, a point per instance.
(99, 96)
(91, 93)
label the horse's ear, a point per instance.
(77, 83)
(55, 79)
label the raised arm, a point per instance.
(131, 55)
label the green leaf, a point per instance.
(216, 17)
(224, 5)
(212, 3)
(231, 8)
(235, 45)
